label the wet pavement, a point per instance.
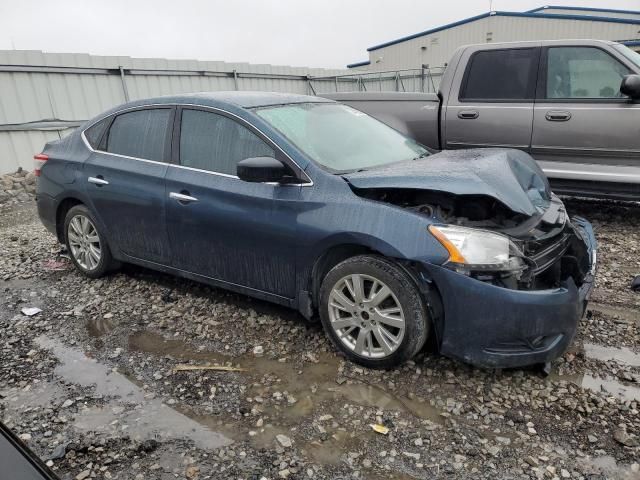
(141, 375)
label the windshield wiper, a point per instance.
(422, 155)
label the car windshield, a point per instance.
(341, 138)
(627, 52)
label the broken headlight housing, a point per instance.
(472, 249)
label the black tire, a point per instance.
(416, 321)
(106, 262)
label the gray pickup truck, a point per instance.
(574, 105)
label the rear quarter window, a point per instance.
(95, 132)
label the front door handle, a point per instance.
(557, 116)
(468, 114)
(182, 197)
(99, 181)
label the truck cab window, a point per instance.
(502, 75)
(583, 72)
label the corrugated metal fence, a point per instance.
(43, 96)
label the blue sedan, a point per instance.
(313, 205)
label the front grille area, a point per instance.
(557, 259)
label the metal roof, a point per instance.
(546, 16)
(582, 9)
(359, 64)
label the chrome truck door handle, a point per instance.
(182, 197)
(468, 114)
(557, 116)
(97, 181)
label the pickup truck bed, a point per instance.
(414, 114)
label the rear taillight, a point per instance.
(38, 162)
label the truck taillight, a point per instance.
(39, 160)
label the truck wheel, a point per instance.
(373, 312)
(87, 246)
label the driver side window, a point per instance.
(583, 72)
(213, 142)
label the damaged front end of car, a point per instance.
(519, 271)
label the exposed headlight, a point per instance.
(474, 249)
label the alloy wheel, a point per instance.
(84, 242)
(366, 316)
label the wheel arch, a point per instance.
(61, 212)
(337, 253)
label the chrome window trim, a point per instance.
(228, 175)
(206, 107)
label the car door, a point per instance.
(491, 103)
(220, 226)
(583, 127)
(125, 180)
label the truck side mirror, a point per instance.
(630, 86)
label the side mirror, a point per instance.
(262, 170)
(630, 86)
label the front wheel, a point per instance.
(373, 312)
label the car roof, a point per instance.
(243, 99)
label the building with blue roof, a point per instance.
(435, 46)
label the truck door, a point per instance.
(584, 128)
(490, 103)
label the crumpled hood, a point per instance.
(509, 176)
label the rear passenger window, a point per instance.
(141, 134)
(503, 75)
(94, 133)
(215, 143)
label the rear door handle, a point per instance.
(99, 181)
(182, 197)
(557, 116)
(468, 114)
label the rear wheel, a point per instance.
(373, 312)
(86, 245)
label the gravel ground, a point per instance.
(95, 384)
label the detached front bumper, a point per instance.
(496, 327)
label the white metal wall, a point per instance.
(36, 86)
(441, 45)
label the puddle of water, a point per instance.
(97, 327)
(607, 466)
(619, 354)
(296, 382)
(76, 367)
(596, 384)
(128, 410)
(332, 451)
(37, 395)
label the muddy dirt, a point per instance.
(142, 375)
